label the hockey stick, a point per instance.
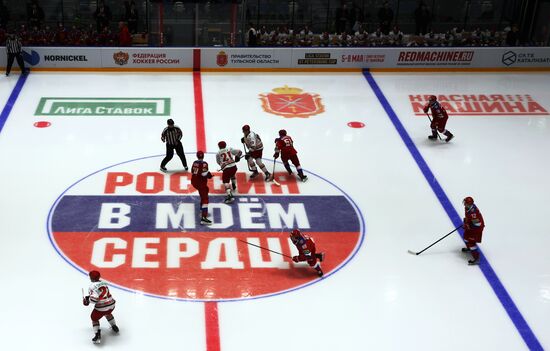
(446, 235)
(263, 248)
(273, 175)
(246, 152)
(439, 136)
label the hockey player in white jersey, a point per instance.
(227, 158)
(253, 156)
(104, 304)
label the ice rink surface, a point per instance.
(368, 200)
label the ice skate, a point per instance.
(254, 174)
(465, 249)
(115, 328)
(320, 273)
(449, 135)
(205, 221)
(229, 199)
(97, 337)
(163, 169)
(473, 262)
(303, 178)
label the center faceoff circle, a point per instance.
(142, 230)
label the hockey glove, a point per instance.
(276, 155)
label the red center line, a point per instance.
(212, 328)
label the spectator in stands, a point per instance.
(512, 38)
(344, 39)
(102, 16)
(4, 15)
(396, 36)
(24, 35)
(131, 16)
(35, 15)
(124, 37)
(422, 18)
(305, 37)
(252, 36)
(60, 34)
(377, 38)
(385, 16)
(263, 36)
(324, 40)
(361, 37)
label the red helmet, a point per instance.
(295, 235)
(200, 154)
(94, 275)
(282, 132)
(222, 145)
(246, 128)
(468, 200)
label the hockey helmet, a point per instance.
(94, 276)
(282, 132)
(200, 154)
(222, 145)
(246, 128)
(295, 235)
(432, 99)
(468, 201)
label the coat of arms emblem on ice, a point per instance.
(291, 102)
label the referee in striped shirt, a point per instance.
(13, 49)
(172, 135)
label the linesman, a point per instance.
(171, 135)
(13, 49)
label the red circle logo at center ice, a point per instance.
(141, 229)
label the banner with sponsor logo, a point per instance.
(69, 57)
(246, 58)
(284, 58)
(147, 57)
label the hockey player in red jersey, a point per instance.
(439, 119)
(104, 304)
(473, 229)
(255, 146)
(199, 180)
(284, 145)
(227, 158)
(306, 251)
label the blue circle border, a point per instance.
(358, 246)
